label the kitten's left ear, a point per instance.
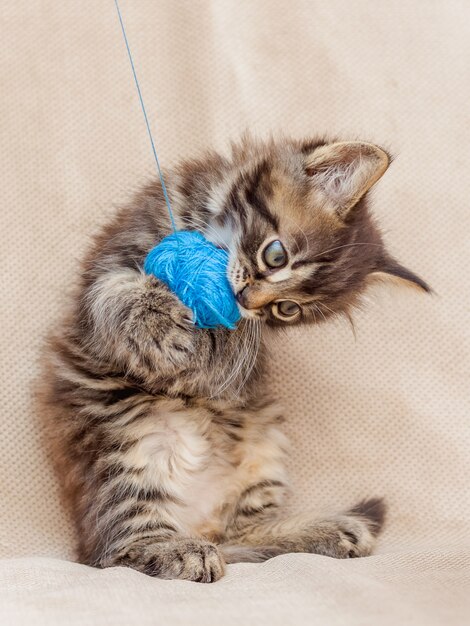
(390, 271)
(343, 172)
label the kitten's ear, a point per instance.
(343, 172)
(390, 271)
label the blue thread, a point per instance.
(195, 269)
(160, 174)
(192, 267)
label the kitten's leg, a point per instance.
(347, 535)
(257, 528)
(137, 322)
(183, 558)
(130, 522)
(134, 321)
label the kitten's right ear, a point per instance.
(390, 271)
(342, 173)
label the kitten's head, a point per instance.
(303, 244)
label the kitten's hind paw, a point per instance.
(350, 534)
(359, 528)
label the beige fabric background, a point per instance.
(387, 413)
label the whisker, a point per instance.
(254, 349)
(346, 313)
(351, 324)
(208, 229)
(326, 307)
(347, 245)
(251, 343)
(319, 311)
(238, 362)
(296, 224)
(244, 360)
(199, 224)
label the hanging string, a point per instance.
(188, 263)
(147, 123)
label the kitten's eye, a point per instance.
(287, 308)
(275, 255)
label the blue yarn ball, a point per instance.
(196, 271)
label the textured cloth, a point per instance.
(386, 413)
(389, 590)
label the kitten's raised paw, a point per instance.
(187, 559)
(159, 324)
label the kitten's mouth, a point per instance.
(253, 314)
(248, 313)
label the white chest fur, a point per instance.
(184, 454)
(177, 453)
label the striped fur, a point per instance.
(166, 437)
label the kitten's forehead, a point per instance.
(278, 192)
(303, 224)
(271, 197)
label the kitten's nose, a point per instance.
(242, 296)
(252, 297)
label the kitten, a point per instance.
(169, 444)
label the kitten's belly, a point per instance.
(204, 500)
(202, 469)
(179, 455)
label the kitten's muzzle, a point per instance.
(242, 297)
(252, 298)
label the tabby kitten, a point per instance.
(169, 443)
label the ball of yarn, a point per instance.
(196, 271)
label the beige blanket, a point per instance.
(386, 413)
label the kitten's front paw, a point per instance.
(187, 559)
(159, 323)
